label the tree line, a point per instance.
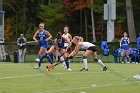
(23, 16)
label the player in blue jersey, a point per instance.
(59, 48)
(124, 44)
(42, 36)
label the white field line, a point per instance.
(10, 77)
(103, 85)
(20, 76)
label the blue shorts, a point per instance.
(60, 47)
(44, 46)
(125, 47)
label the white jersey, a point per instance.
(86, 45)
(67, 37)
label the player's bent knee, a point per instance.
(84, 57)
(96, 60)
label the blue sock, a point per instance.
(67, 63)
(42, 56)
(49, 59)
(39, 63)
(122, 58)
(127, 58)
(115, 60)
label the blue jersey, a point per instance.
(42, 39)
(125, 43)
(60, 44)
(138, 42)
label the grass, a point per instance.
(22, 78)
(31, 58)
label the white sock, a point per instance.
(69, 62)
(85, 63)
(64, 64)
(62, 58)
(101, 63)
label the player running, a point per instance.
(59, 48)
(90, 49)
(42, 36)
(125, 47)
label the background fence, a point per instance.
(33, 48)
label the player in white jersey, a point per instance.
(90, 50)
(68, 37)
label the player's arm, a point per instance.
(49, 35)
(24, 41)
(67, 42)
(76, 50)
(70, 37)
(57, 49)
(128, 41)
(35, 35)
(18, 41)
(121, 42)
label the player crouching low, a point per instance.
(90, 49)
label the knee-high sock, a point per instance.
(127, 58)
(101, 63)
(67, 63)
(85, 63)
(122, 58)
(42, 56)
(63, 63)
(39, 63)
(49, 59)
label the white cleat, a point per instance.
(37, 60)
(137, 76)
(137, 63)
(36, 67)
(69, 69)
(128, 62)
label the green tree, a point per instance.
(52, 15)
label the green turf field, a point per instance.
(22, 78)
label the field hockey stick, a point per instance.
(57, 63)
(31, 42)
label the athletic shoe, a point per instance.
(37, 60)
(137, 76)
(69, 69)
(127, 62)
(122, 62)
(105, 68)
(48, 69)
(36, 67)
(83, 69)
(137, 63)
